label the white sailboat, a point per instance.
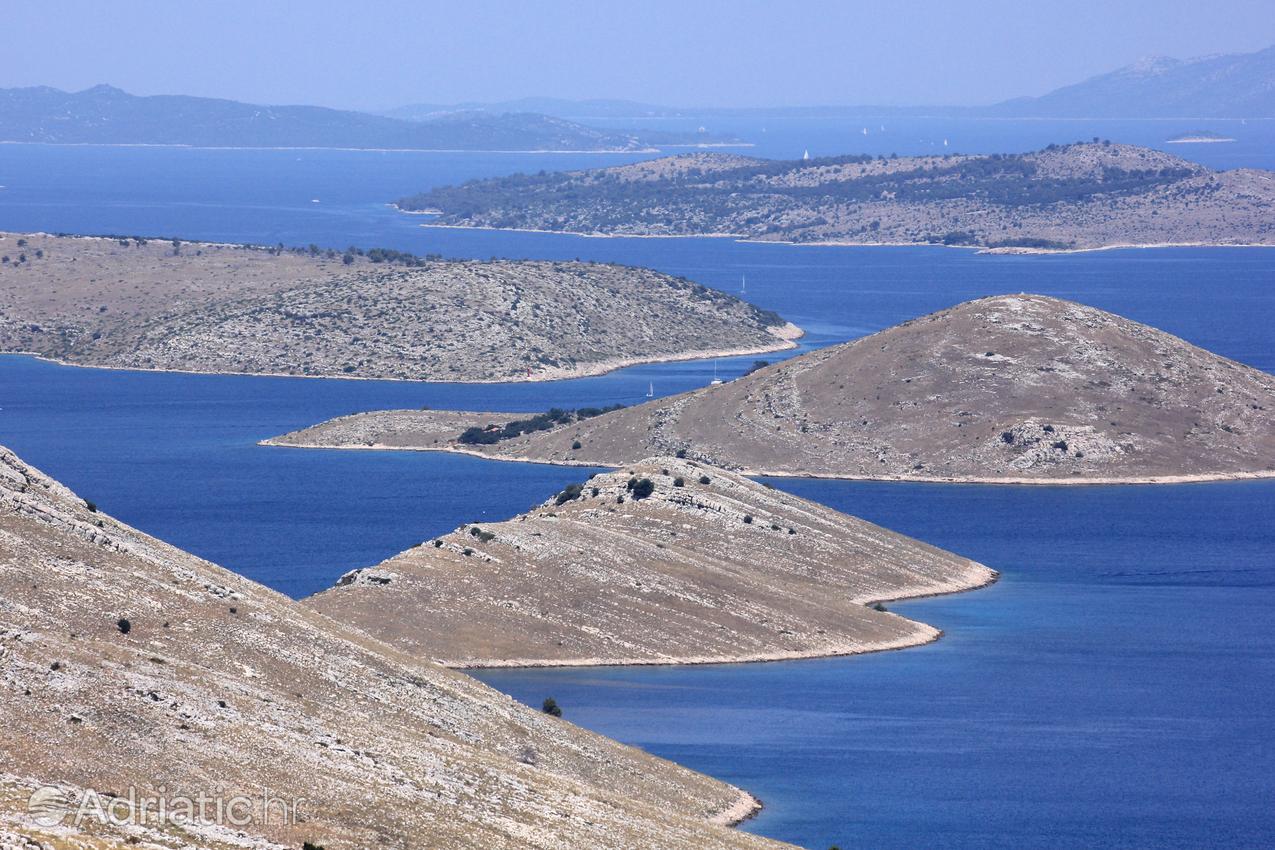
(716, 380)
(743, 284)
(650, 390)
(806, 155)
(865, 131)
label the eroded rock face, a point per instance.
(1022, 388)
(664, 561)
(231, 308)
(221, 686)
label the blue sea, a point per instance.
(1114, 689)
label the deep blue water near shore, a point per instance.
(1113, 690)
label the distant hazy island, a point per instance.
(1007, 389)
(1198, 137)
(104, 115)
(190, 306)
(1065, 197)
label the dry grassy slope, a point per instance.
(224, 686)
(717, 569)
(226, 308)
(1007, 388)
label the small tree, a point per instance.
(551, 707)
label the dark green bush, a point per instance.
(640, 487)
(570, 493)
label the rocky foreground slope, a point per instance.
(160, 304)
(1066, 197)
(1013, 388)
(665, 561)
(127, 665)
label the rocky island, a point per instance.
(1065, 197)
(131, 670)
(667, 561)
(201, 307)
(1199, 137)
(1006, 389)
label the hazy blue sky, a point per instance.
(742, 52)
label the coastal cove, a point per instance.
(1111, 690)
(1118, 607)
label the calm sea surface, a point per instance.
(1115, 689)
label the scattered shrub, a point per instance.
(551, 707)
(124, 626)
(748, 519)
(640, 487)
(681, 453)
(92, 506)
(484, 536)
(679, 481)
(704, 479)
(576, 445)
(570, 493)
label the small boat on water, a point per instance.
(716, 380)
(650, 390)
(806, 155)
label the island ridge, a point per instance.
(128, 665)
(666, 561)
(1007, 389)
(1063, 198)
(135, 303)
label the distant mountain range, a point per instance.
(107, 115)
(1230, 86)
